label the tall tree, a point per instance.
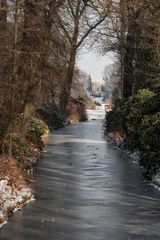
(36, 39)
(77, 20)
(129, 58)
(141, 62)
(123, 10)
(89, 88)
(4, 50)
(25, 41)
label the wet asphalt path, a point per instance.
(87, 190)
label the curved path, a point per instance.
(87, 190)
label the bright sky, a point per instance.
(94, 64)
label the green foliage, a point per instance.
(139, 120)
(19, 146)
(156, 89)
(115, 119)
(51, 116)
(135, 109)
(36, 130)
(150, 144)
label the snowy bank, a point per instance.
(14, 192)
(134, 156)
(156, 179)
(11, 198)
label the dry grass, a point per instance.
(9, 169)
(76, 111)
(14, 192)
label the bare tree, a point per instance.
(112, 81)
(26, 29)
(4, 51)
(77, 20)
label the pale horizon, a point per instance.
(93, 64)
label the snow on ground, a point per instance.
(134, 156)
(95, 114)
(11, 198)
(156, 180)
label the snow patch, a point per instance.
(156, 180)
(32, 160)
(11, 199)
(4, 223)
(134, 156)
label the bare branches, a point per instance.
(62, 25)
(90, 30)
(77, 20)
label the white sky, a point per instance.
(94, 64)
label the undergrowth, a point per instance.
(138, 120)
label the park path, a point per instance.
(86, 189)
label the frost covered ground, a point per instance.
(133, 156)
(14, 192)
(11, 198)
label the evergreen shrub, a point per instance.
(51, 116)
(138, 119)
(36, 130)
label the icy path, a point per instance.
(87, 190)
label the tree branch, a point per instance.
(90, 30)
(64, 30)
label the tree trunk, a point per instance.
(122, 41)
(129, 58)
(68, 80)
(4, 53)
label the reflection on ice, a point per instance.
(66, 139)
